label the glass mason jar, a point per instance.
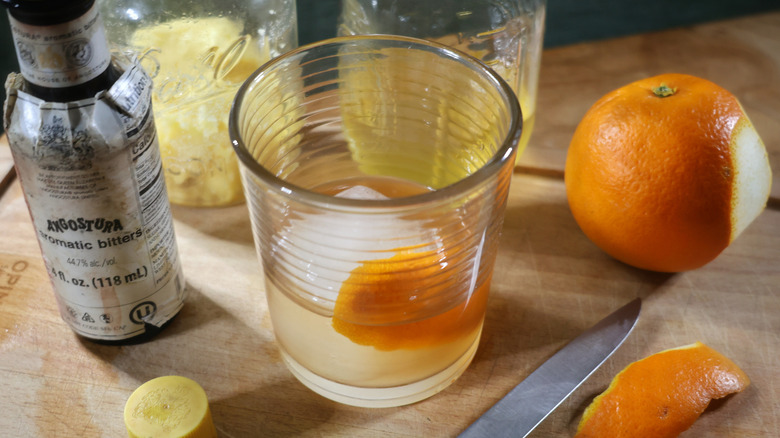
(507, 35)
(198, 52)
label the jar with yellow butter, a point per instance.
(198, 53)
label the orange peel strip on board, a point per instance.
(663, 394)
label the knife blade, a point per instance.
(531, 401)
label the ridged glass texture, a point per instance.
(355, 109)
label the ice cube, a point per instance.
(361, 192)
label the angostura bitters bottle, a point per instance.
(82, 135)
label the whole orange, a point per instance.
(665, 172)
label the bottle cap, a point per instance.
(169, 407)
(47, 12)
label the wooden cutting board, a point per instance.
(550, 284)
(6, 165)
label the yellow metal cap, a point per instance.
(169, 407)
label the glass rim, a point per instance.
(463, 185)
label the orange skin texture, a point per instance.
(649, 179)
(406, 287)
(662, 395)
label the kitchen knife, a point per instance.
(520, 411)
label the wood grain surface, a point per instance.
(6, 165)
(551, 283)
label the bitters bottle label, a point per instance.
(92, 177)
(62, 55)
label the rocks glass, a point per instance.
(376, 171)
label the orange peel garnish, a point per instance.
(406, 287)
(663, 394)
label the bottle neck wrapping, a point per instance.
(62, 55)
